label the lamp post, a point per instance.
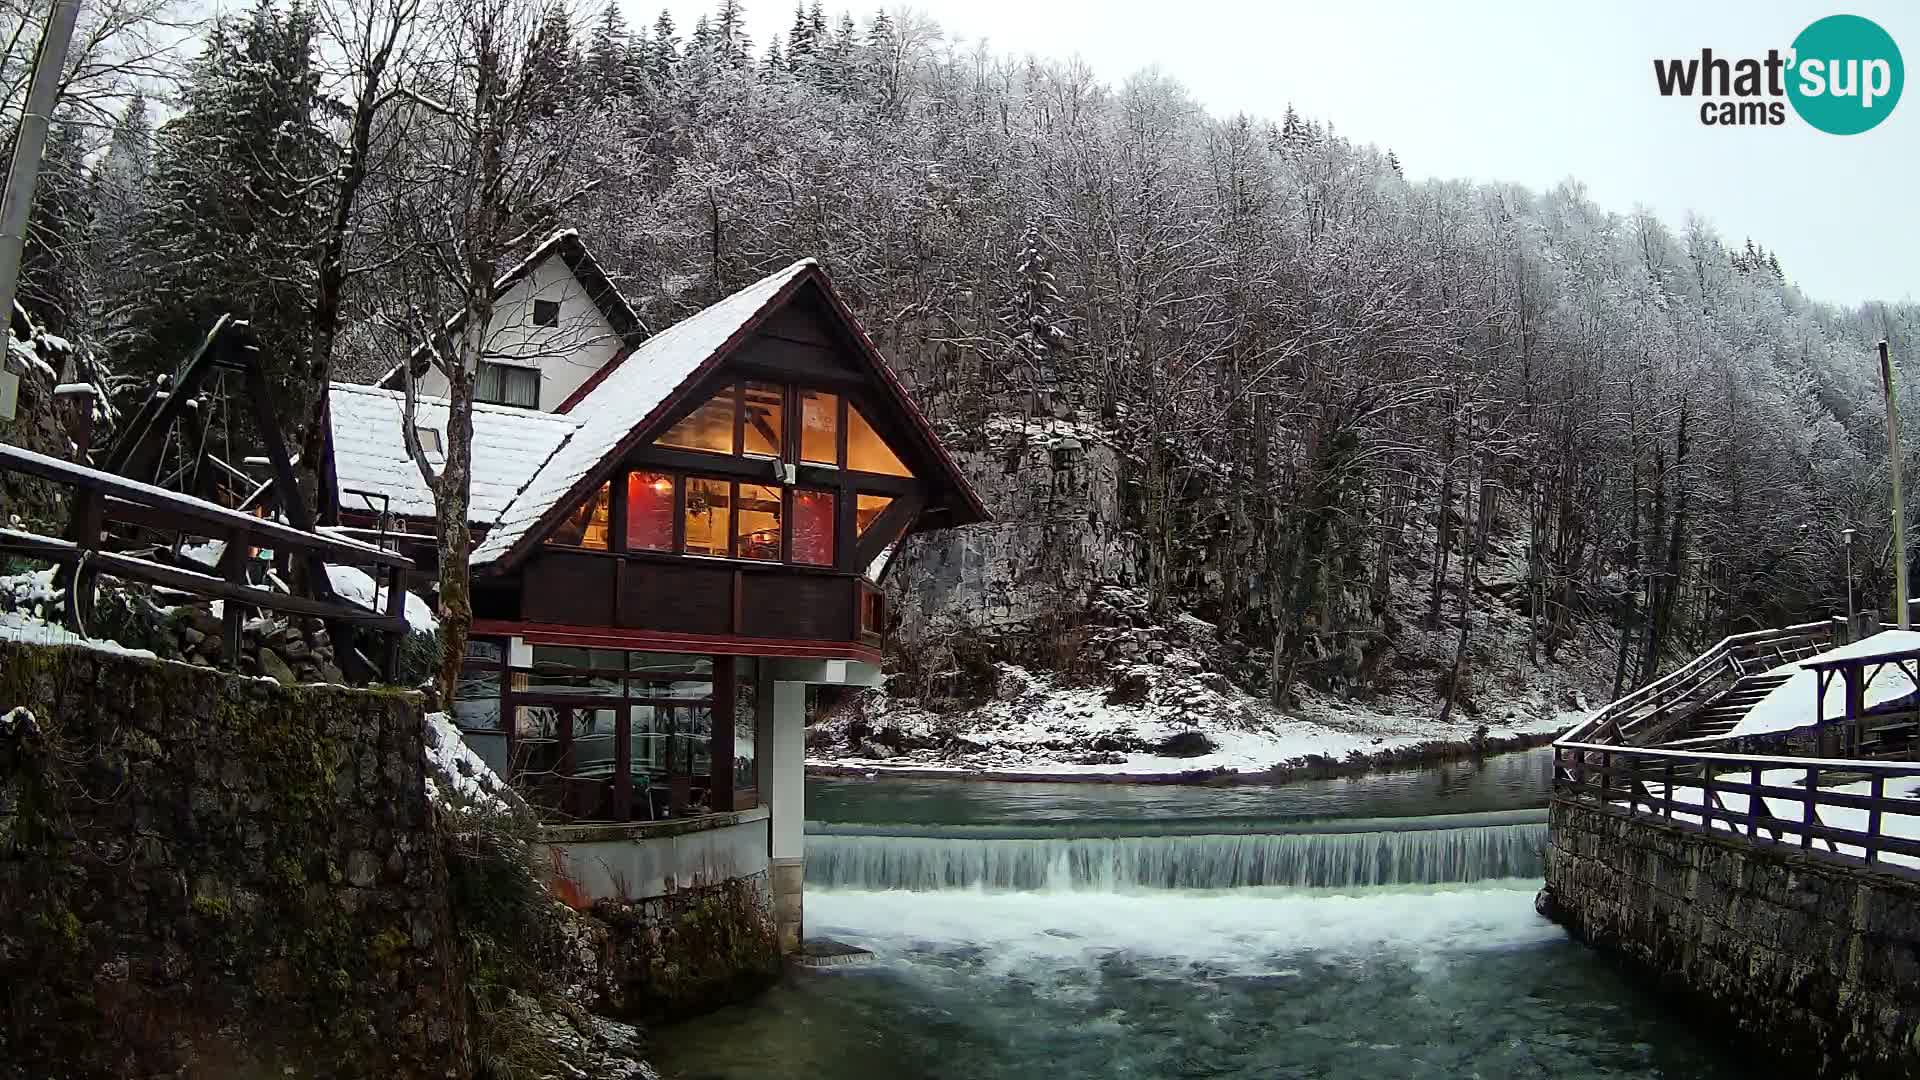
(1899, 514)
(1846, 540)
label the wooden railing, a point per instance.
(103, 498)
(1698, 680)
(1839, 808)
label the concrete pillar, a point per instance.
(786, 776)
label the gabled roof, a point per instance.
(509, 446)
(634, 393)
(585, 269)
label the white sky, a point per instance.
(1513, 91)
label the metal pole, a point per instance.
(1847, 536)
(1899, 515)
(48, 62)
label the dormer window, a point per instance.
(546, 313)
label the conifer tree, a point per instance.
(607, 54)
(1033, 315)
(663, 52)
(801, 40)
(53, 264)
(230, 222)
(730, 41)
(553, 69)
(119, 182)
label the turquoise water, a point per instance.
(1028, 945)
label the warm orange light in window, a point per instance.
(663, 485)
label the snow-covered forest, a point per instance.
(1237, 386)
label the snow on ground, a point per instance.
(1164, 720)
(24, 627)
(457, 777)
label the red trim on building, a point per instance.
(607, 637)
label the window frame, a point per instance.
(538, 376)
(542, 306)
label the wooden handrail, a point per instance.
(138, 503)
(1684, 772)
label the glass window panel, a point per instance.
(867, 451)
(562, 670)
(690, 750)
(709, 516)
(866, 508)
(757, 515)
(761, 433)
(476, 700)
(650, 735)
(677, 663)
(521, 388)
(670, 689)
(649, 511)
(486, 651)
(593, 742)
(709, 427)
(486, 383)
(745, 724)
(586, 526)
(813, 519)
(819, 428)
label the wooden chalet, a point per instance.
(666, 541)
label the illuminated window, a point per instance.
(586, 526)
(649, 512)
(765, 405)
(867, 451)
(866, 509)
(757, 516)
(709, 427)
(819, 428)
(813, 514)
(709, 516)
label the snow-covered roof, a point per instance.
(509, 446)
(1792, 704)
(625, 399)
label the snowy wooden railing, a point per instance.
(1700, 678)
(1857, 810)
(102, 498)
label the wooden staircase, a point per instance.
(1723, 711)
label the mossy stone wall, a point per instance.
(204, 875)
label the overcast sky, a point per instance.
(1525, 92)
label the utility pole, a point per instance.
(1899, 514)
(48, 62)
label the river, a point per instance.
(1371, 927)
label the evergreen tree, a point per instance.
(663, 52)
(1032, 316)
(230, 222)
(53, 264)
(552, 66)
(730, 40)
(119, 182)
(801, 40)
(607, 49)
(1393, 162)
(776, 60)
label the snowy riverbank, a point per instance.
(1158, 723)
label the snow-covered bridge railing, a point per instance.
(1859, 810)
(104, 498)
(1646, 714)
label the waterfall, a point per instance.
(1420, 852)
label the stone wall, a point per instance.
(210, 876)
(688, 952)
(1811, 962)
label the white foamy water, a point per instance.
(1243, 930)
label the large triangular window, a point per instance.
(743, 418)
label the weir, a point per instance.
(1413, 851)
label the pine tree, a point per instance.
(552, 65)
(801, 41)
(53, 264)
(776, 60)
(230, 221)
(607, 54)
(1032, 316)
(730, 40)
(663, 52)
(119, 181)
(1393, 162)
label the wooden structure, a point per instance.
(706, 514)
(102, 499)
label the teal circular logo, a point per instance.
(1846, 76)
